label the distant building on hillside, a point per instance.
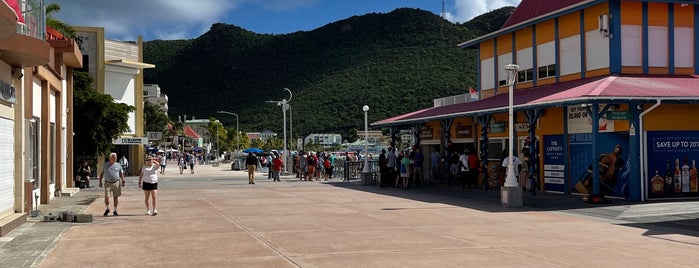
(264, 135)
(326, 140)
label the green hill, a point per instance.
(395, 63)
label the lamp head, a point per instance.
(365, 108)
(511, 73)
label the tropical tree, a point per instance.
(155, 119)
(98, 120)
(58, 25)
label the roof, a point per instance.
(530, 12)
(529, 9)
(188, 131)
(642, 88)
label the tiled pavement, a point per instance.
(213, 218)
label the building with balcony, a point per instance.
(601, 90)
(36, 89)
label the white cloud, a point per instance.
(126, 19)
(468, 9)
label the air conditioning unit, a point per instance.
(603, 25)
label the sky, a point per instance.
(125, 20)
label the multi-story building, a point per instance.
(117, 68)
(374, 136)
(326, 140)
(36, 89)
(593, 81)
(152, 94)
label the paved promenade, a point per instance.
(214, 218)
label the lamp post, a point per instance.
(284, 103)
(184, 137)
(511, 192)
(237, 131)
(366, 169)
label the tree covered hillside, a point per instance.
(395, 63)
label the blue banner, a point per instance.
(612, 158)
(554, 163)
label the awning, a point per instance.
(641, 88)
(189, 132)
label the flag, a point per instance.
(474, 93)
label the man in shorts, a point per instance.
(113, 175)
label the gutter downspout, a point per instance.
(644, 150)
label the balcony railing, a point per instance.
(32, 19)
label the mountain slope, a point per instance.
(395, 63)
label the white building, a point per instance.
(325, 140)
(152, 94)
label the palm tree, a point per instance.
(58, 25)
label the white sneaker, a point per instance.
(155, 212)
(148, 212)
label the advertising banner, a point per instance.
(671, 162)
(612, 160)
(554, 163)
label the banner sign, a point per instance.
(554, 163)
(672, 157)
(131, 141)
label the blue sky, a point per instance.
(182, 19)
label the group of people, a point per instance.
(112, 178)
(404, 168)
(186, 159)
(311, 165)
(273, 162)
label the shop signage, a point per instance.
(497, 127)
(426, 133)
(521, 127)
(464, 131)
(131, 140)
(7, 92)
(618, 115)
(154, 136)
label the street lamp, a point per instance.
(511, 192)
(284, 103)
(511, 180)
(237, 131)
(366, 169)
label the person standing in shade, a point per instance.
(150, 185)
(124, 163)
(251, 163)
(113, 175)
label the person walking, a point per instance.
(192, 161)
(277, 165)
(149, 185)
(163, 163)
(251, 163)
(113, 175)
(181, 163)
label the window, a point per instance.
(502, 83)
(525, 75)
(547, 71)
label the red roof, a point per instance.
(627, 87)
(190, 132)
(529, 9)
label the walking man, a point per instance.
(113, 175)
(251, 163)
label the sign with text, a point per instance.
(672, 157)
(154, 136)
(497, 127)
(464, 132)
(554, 163)
(131, 141)
(579, 121)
